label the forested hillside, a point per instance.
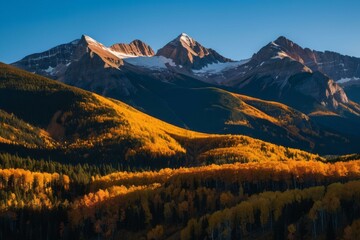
(270, 199)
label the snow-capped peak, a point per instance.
(90, 40)
(189, 53)
(281, 55)
(218, 67)
(274, 44)
(186, 39)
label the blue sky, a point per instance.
(236, 29)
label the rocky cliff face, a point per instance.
(93, 47)
(87, 64)
(283, 66)
(319, 87)
(97, 70)
(337, 66)
(190, 54)
(332, 64)
(135, 48)
(89, 73)
(54, 63)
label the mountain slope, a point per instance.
(87, 127)
(55, 61)
(74, 118)
(202, 107)
(352, 89)
(340, 68)
(332, 64)
(272, 67)
(283, 71)
(17, 132)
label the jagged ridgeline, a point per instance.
(47, 118)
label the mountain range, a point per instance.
(283, 94)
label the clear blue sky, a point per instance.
(236, 29)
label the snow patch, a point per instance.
(49, 70)
(155, 62)
(89, 39)
(275, 45)
(281, 55)
(121, 55)
(215, 68)
(186, 39)
(344, 80)
(48, 55)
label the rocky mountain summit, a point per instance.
(190, 54)
(282, 69)
(135, 48)
(54, 62)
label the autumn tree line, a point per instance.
(186, 194)
(269, 200)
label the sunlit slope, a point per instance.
(79, 119)
(16, 131)
(159, 137)
(85, 123)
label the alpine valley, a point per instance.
(124, 142)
